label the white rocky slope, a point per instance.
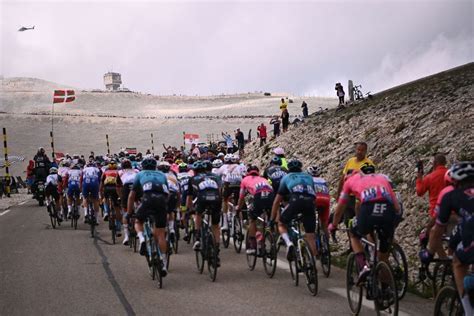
(401, 126)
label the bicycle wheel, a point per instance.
(225, 234)
(157, 263)
(238, 233)
(251, 258)
(354, 292)
(308, 266)
(325, 255)
(149, 259)
(211, 256)
(294, 267)
(269, 254)
(169, 252)
(201, 255)
(176, 237)
(442, 275)
(399, 265)
(447, 303)
(52, 215)
(385, 289)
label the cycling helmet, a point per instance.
(253, 170)
(294, 165)
(217, 163)
(220, 155)
(279, 151)
(53, 170)
(112, 165)
(462, 170)
(228, 158)
(183, 167)
(235, 158)
(199, 166)
(191, 160)
(126, 164)
(447, 177)
(164, 166)
(178, 161)
(67, 163)
(76, 166)
(314, 170)
(276, 161)
(367, 168)
(149, 163)
(207, 165)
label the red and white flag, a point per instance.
(62, 96)
(191, 138)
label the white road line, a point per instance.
(369, 304)
(4, 212)
(21, 203)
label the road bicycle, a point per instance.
(322, 245)
(74, 212)
(208, 251)
(113, 227)
(53, 213)
(235, 227)
(302, 259)
(153, 254)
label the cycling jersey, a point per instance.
(254, 185)
(297, 183)
(323, 199)
(109, 177)
(354, 165)
(53, 180)
(173, 183)
(368, 188)
(53, 186)
(62, 171)
(90, 175)
(127, 176)
(151, 181)
(275, 174)
(233, 174)
(461, 201)
(443, 192)
(74, 177)
(206, 187)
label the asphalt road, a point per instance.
(45, 271)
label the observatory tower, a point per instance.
(112, 81)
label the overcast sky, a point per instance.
(215, 47)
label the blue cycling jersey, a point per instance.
(151, 181)
(297, 183)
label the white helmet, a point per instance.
(217, 163)
(235, 158)
(279, 151)
(228, 158)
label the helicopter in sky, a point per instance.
(22, 29)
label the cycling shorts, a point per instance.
(74, 190)
(300, 203)
(349, 213)
(261, 202)
(172, 200)
(184, 196)
(127, 187)
(52, 190)
(323, 207)
(154, 205)
(376, 215)
(111, 192)
(91, 189)
(211, 201)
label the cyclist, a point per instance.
(376, 205)
(323, 199)
(262, 199)
(73, 183)
(183, 180)
(109, 189)
(153, 186)
(125, 179)
(275, 172)
(174, 196)
(232, 175)
(216, 165)
(280, 153)
(53, 188)
(298, 187)
(206, 188)
(461, 201)
(90, 188)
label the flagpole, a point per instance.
(52, 130)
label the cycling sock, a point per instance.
(171, 225)
(125, 231)
(286, 238)
(85, 211)
(360, 259)
(141, 237)
(69, 208)
(467, 305)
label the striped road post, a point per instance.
(7, 170)
(108, 145)
(152, 145)
(52, 145)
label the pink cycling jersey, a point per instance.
(368, 188)
(254, 185)
(447, 189)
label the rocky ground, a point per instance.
(401, 126)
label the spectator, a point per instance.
(30, 175)
(340, 93)
(262, 134)
(432, 183)
(239, 136)
(276, 126)
(228, 142)
(285, 119)
(283, 105)
(304, 106)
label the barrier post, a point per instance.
(7, 170)
(108, 145)
(152, 145)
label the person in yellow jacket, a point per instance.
(283, 105)
(280, 153)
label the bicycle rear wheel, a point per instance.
(212, 256)
(238, 233)
(201, 255)
(442, 275)
(354, 292)
(325, 255)
(75, 217)
(269, 254)
(52, 215)
(399, 265)
(385, 289)
(447, 303)
(294, 267)
(225, 234)
(251, 258)
(308, 266)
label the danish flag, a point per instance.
(61, 96)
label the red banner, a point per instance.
(62, 96)
(191, 138)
